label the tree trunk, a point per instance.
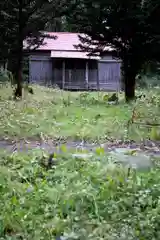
(18, 72)
(130, 82)
(18, 91)
(130, 68)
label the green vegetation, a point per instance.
(80, 116)
(83, 198)
(58, 114)
(78, 198)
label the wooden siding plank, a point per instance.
(109, 75)
(63, 73)
(41, 71)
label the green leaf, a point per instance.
(63, 148)
(100, 151)
(105, 98)
(155, 134)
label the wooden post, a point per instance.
(87, 74)
(98, 76)
(63, 74)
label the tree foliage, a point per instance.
(24, 20)
(58, 25)
(130, 28)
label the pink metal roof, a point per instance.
(64, 41)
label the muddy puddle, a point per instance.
(135, 155)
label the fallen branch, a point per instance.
(147, 124)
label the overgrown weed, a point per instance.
(77, 199)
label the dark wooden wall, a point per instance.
(75, 74)
(40, 68)
(109, 73)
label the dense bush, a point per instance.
(148, 81)
(5, 76)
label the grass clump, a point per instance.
(77, 199)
